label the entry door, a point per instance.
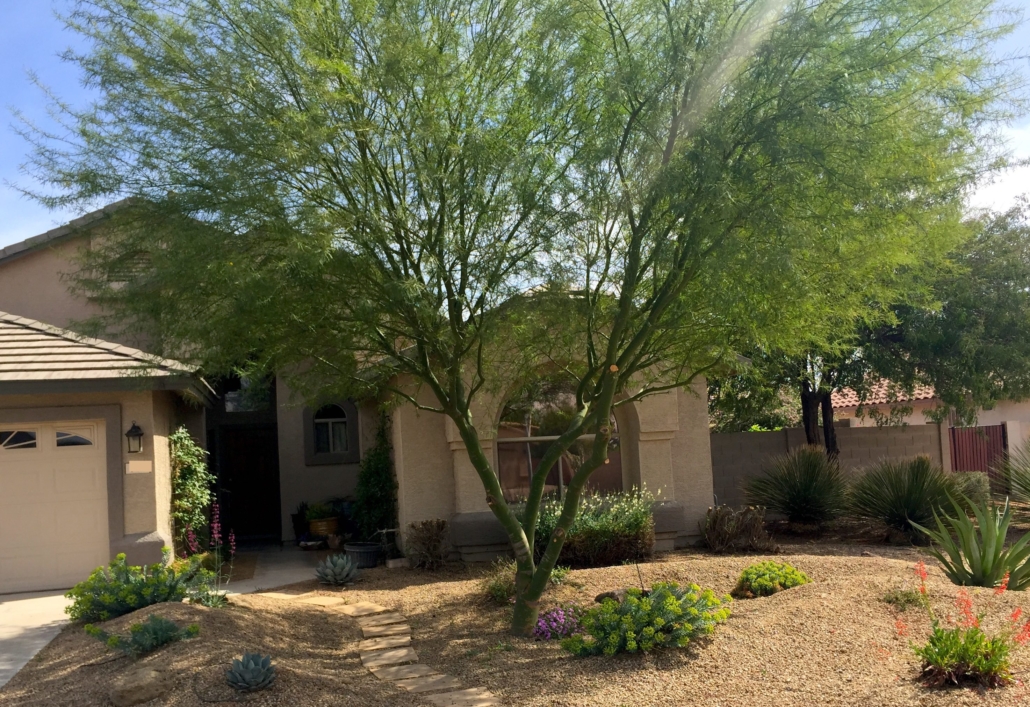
(249, 482)
(53, 504)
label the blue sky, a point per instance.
(31, 37)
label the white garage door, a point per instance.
(53, 504)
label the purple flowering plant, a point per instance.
(557, 623)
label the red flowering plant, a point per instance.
(959, 650)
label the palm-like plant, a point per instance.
(1015, 470)
(804, 485)
(976, 555)
(902, 493)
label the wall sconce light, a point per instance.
(135, 437)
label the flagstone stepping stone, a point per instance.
(321, 601)
(286, 596)
(403, 672)
(473, 697)
(380, 620)
(428, 683)
(392, 656)
(388, 630)
(362, 608)
(378, 644)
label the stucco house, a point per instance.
(72, 493)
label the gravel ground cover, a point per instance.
(832, 642)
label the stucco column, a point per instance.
(658, 423)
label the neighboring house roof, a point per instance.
(880, 394)
(56, 235)
(36, 357)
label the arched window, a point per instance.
(330, 425)
(534, 417)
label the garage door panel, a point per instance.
(23, 480)
(53, 510)
(79, 480)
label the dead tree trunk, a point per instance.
(810, 413)
(829, 431)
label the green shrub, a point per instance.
(499, 582)
(765, 578)
(560, 574)
(974, 485)
(902, 599)
(726, 528)
(975, 554)
(375, 498)
(669, 616)
(902, 493)
(955, 654)
(120, 588)
(191, 485)
(962, 651)
(804, 485)
(319, 511)
(146, 637)
(609, 528)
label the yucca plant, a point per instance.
(974, 554)
(804, 485)
(902, 493)
(336, 570)
(1014, 469)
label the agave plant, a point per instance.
(251, 672)
(804, 485)
(336, 570)
(976, 555)
(902, 493)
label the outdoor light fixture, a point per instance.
(135, 437)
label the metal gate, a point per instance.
(978, 449)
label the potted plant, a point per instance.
(322, 520)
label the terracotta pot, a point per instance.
(323, 527)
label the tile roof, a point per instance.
(55, 235)
(879, 394)
(33, 351)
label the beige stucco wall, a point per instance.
(146, 496)
(665, 447)
(739, 456)
(422, 460)
(32, 285)
(916, 417)
(299, 482)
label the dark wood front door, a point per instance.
(249, 482)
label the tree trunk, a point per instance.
(810, 413)
(829, 431)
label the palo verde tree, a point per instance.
(432, 195)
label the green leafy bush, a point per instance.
(974, 485)
(319, 511)
(191, 485)
(146, 637)
(120, 588)
(902, 493)
(955, 654)
(668, 616)
(962, 651)
(609, 528)
(765, 578)
(726, 528)
(375, 498)
(974, 554)
(902, 599)
(499, 582)
(804, 485)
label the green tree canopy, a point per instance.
(355, 192)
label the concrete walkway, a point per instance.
(28, 622)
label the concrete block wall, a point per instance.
(739, 456)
